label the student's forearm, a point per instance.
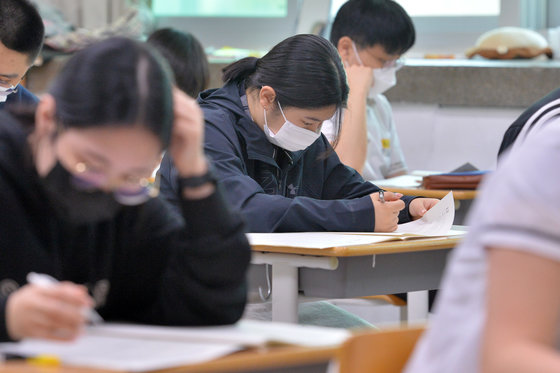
(522, 358)
(352, 144)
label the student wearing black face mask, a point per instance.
(78, 204)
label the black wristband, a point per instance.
(197, 181)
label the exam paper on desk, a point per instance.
(122, 354)
(437, 222)
(403, 181)
(411, 180)
(138, 348)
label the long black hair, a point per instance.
(116, 82)
(304, 70)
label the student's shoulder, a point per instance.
(533, 166)
(217, 115)
(381, 107)
(22, 96)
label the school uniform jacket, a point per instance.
(21, 97)
(147, 265)
(278, 190)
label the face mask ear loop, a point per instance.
(356, 53)
(282, 111)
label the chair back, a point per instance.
(378, 352)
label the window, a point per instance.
(452, 26)
(445, 8)
(220, 8)
(251, 24)
(439, 8)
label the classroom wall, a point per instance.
(90, 13)
(443, 138)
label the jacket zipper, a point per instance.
(284, 180)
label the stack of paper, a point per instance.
(138, 348)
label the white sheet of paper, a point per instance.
(294, 334)
(247, 333)
(436, 222)
(411, 180)
(141, 347)
(314, 240)
(124, 354)
(403, 181)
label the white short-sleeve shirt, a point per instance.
(384, 154)
(519, 208)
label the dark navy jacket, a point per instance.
(21, 96)
(278, 190)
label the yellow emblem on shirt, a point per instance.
(386, 143)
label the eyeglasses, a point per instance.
(131, 191)
(392, 64)
(10, 85)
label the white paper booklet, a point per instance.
(138, 348)
(437, 221)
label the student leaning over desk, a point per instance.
(263, 134)
(76, 204)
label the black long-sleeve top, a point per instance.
(149, 264)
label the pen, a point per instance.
(44, 280)
(382, 195)
(40, 360)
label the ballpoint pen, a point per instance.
(44, 280)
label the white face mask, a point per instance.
(290, 136)
(383, 78)
(5, 92)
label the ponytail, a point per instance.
(240, 70)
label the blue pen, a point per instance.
(44, 280)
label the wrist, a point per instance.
(197, 186)
(192, 168)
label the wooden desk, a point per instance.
(262, 360)
(350, 272)
(458, 194)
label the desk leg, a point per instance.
(417, 305)
(285, 293)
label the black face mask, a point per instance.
(77, 206)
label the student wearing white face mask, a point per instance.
(370, 36)
(263, 135)
(21, 40)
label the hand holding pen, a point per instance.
(48, 309)
(387, 206)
